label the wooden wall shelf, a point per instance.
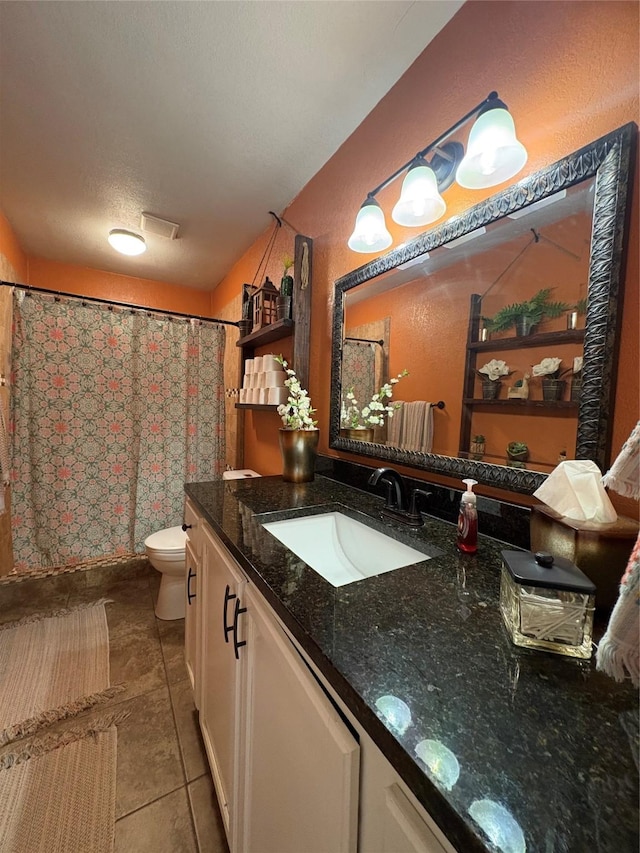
(273, 332)
(573, 336)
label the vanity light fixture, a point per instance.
(126, 242)
(493, 155)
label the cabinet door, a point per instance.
(222, 664)
(300, 759)
(192, 622)
(404, 831)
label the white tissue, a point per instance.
(574, 489)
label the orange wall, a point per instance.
(10, 248)
(83, 281)
(568, 72)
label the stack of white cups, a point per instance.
(263, 381)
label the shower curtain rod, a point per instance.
(117, 304)
(366, 341)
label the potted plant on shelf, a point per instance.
(517, 454)
(490, 374)
(283, 302)
(548, 370)
(525, 316)
(358, 423)
(477, 448)
(299, 436)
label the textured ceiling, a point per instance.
(209, 114)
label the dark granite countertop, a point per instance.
(547, 738)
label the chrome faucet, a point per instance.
(395, 503)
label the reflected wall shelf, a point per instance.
(523, 404)
(573, 336)
(529, 407)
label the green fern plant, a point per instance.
(533, 310)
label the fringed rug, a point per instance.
(57, 789)
(52, 667)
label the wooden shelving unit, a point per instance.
(299, 327)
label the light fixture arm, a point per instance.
(487, 103)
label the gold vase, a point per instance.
(364, 434)
(298, 448)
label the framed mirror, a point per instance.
(443, 308)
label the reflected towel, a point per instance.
(417, 426)
(394, 425)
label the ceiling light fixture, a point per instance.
(126, 242)
(494, 155)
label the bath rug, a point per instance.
(58, 795)
(66, 656)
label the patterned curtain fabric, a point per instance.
(358, 370)
(112, 412)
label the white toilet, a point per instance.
(166, 552)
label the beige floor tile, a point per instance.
(164, 826)
(206, 816)
(35, 595)
(172, 642)
(189, 738)
(135, 658)
(149, 763)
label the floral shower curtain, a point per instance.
(359, 370)
(112, 412)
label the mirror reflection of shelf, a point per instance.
(523, 404)
(495, 459)
(570, 336)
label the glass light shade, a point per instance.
(493, 154)
(126, 242)
(420, 202)
(370, 233)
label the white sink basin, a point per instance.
(341, 549)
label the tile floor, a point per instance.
(165, 801)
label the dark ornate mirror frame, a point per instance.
(609, 160)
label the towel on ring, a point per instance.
(619, 650)
(394, 425)
(417, 426)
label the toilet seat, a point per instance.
(169, 542)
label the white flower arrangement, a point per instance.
(577, 363)
(494, 369)
(373, 414)
(548, 367)
(296, 412)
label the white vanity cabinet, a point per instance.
(301, 760)
(292, 768)
(192, 634)
(222, 670)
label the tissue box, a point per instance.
(601, 551)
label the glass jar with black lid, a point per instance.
(547, 603)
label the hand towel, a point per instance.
(624, 475)
(394, 425)
(619, 650)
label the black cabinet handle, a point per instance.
(186, 527)
(190, 595)
(237, 645)
(228, 596)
